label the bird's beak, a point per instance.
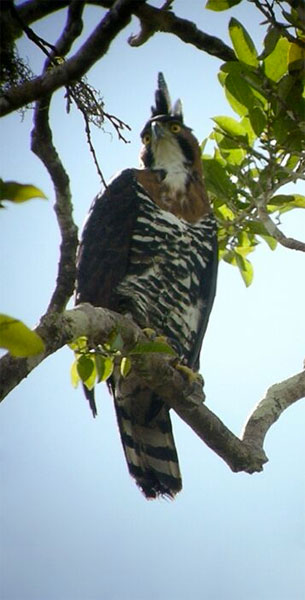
(157, 130)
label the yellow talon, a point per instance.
(161, 338)
(151, 334)
(189, 373)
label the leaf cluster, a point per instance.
(258, 153)
(94, 365)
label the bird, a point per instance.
(148, 250)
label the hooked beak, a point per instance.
(157, 130)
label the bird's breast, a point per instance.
(168, 258)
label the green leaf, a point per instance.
(239, 92)
(272, 243)
(231, 126)
(79, 345)
(242, 43)
(18, 192)
(223, 212)
(276, 63)
(258, 228)
(270, 41)
(286, 133)
(229, 257)
(284, 203)
(296, 58)
(254, 80)
(104, 367)
(125, 366)
(258, 119)
(218, 5)
(293, 17)
(75, 378)
(18, 339)
(231, 151)
(145, 347)
(217, 179)
(85, 367)
(292, 161)
(246, 243)
(245, 268)
(115, 342)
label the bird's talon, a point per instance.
(149, 332)
(189, 373)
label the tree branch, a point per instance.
(275, 231)
(153, 19)
(277, 398)
(160, 374)
(42, 146)
(75, 67)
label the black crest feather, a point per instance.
(163, 104)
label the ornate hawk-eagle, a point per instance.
(149, 250)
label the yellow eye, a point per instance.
(146, 138)
(175, 128)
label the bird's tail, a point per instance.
(147, 438)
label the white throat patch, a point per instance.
(169, 156)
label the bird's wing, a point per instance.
(207, 294)
(104, 248)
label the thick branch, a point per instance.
(57, 330)
(278, 397)
(75, 67)
(158, 372)
(152, 20)
(42, 146)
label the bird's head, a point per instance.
(167, 143)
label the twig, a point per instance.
(88, 134)
(118, 125)
(39, 41)
(266, 9)
(275, 231)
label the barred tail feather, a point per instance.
(148, 442)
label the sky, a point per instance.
(74, 526)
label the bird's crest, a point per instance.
(163, 102)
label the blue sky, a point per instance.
(74, 526)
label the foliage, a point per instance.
(93, 365)
(262, 151)
(18, 339)
(18, 192)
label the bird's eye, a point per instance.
(146, 138)
(175, 128)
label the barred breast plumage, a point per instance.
(167, 263)
(149, 250)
